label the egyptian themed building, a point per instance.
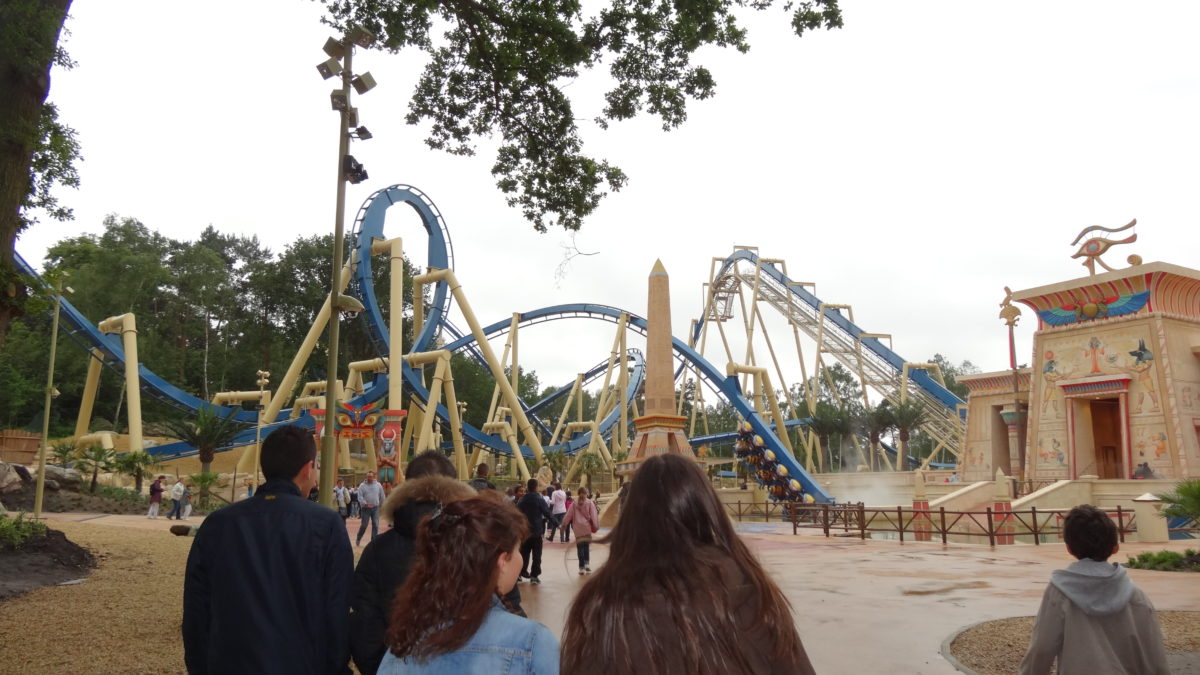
(1113, 389)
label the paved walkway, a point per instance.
(861, 606)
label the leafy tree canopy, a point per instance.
(499, 68)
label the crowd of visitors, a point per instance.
(271, 586)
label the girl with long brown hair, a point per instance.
(449, 616)
(680, 592)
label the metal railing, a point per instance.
(996, 526)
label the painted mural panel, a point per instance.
(1119, 350)
(1150, 447)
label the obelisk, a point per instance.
(659, 429)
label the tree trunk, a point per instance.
(30, 30)
(137, 481)
(95, 476)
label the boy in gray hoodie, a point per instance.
(1093, 619)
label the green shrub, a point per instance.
(1166, 561)
(14, 532)
(119, 494)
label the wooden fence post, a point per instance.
(991, 530)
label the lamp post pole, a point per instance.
(262, 383)
(328, 440)
(41, 480)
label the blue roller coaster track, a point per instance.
(369, 228)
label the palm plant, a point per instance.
(876, 422)
(62, 453)
(1184, 502)
(907, 416)
(206, 432)
(203, 482)
(556, 460)
(136, 463)
(590, 463)
(828, 421)
(95, 458)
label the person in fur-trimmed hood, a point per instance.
(430, 480)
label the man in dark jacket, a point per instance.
(268, 578)
(533, 505)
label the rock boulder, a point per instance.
(68, 479)
(10, 480)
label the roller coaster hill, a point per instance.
(516, 428)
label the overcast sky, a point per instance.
(911, 164)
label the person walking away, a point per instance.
(558, 507)
(680, 567)
(584, 520)
(176, 499)
(354, 502)
(430, 482)
(341, 499)
(467, 628)
(566, 533)
(480, 482)
(156, 493)
(536, 512)
(267, 583)
(187, 502)
(370, 496)
(1093, 619)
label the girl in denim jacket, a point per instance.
(449, 616)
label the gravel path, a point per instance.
(996, 647)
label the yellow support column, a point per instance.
(84, 420)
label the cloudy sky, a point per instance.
(911, 164)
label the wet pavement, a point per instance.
(861, 606)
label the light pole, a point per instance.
(348, 169)
(50, 394)
(263, 381)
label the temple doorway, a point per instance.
(1106, 437)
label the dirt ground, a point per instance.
(45, 561)
(123, 619)
(62, 501)
(995, 647)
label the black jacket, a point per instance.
(533, 505)
(267, 587)
(385, 563)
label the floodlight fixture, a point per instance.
(363, 83)
(334, 48)
(354, 172)
(362, 134)
(349, 306)
(352, 117)
(361, 37)
(338, 99)
(329, 68)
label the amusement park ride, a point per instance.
(387, 409)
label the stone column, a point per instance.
(1152, 528)
(1002, 510)
(920, 505)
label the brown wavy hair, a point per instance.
(663, 589)
(453, 580)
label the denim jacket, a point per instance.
(505, 643)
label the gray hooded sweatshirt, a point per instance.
(1094, 620)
